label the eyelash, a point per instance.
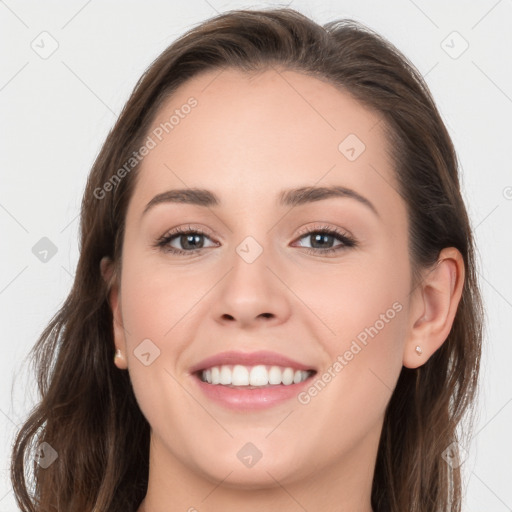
(347, 241)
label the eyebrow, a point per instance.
(291, 197)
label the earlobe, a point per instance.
(120, 360)
(435, 307)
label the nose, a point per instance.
(253, 294)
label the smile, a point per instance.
(253, 376)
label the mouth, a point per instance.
(258, 376)
(251, 381)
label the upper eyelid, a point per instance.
(313, 229)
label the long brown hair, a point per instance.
(88, 413)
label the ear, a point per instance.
(110, 276)
(434, 306)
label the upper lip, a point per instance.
(249, 359)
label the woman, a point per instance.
(254, 367)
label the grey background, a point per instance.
(57, 109)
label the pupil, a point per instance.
(190, 239)
(319, 236)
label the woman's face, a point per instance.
(250, 278)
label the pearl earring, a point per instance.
(418, 350)
(118, 354)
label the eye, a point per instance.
(191, 240)
(324, 237)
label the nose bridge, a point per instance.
(250, 267)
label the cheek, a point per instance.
(156, 300)
(156, 310)
(347, 399)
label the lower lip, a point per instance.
(251, 399)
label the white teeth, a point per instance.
(288, 376)
(225, 375)
(239, 376)
(259, 375)
(275, 375)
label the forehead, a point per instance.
(247, 135)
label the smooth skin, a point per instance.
(248, 138)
